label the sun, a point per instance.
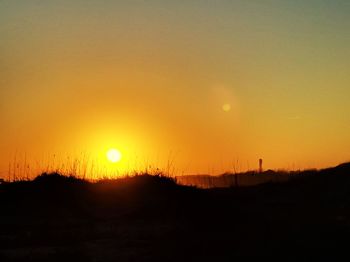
(114, 155)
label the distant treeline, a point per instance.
(250, 178)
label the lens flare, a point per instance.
(226, 107)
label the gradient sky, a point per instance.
(151, 78)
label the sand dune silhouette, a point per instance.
(151, 218)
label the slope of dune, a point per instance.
(151, 218)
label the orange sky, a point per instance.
(152, 78)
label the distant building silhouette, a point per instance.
(260, 166)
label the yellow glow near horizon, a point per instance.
(114, 155)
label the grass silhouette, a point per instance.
(152, 218)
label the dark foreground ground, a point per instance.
(147, 218)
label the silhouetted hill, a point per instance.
(340, 169)
(151, 218)
(56, 179)
(253, 178)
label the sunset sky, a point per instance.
(207, 85)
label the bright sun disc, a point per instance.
(114, 155)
